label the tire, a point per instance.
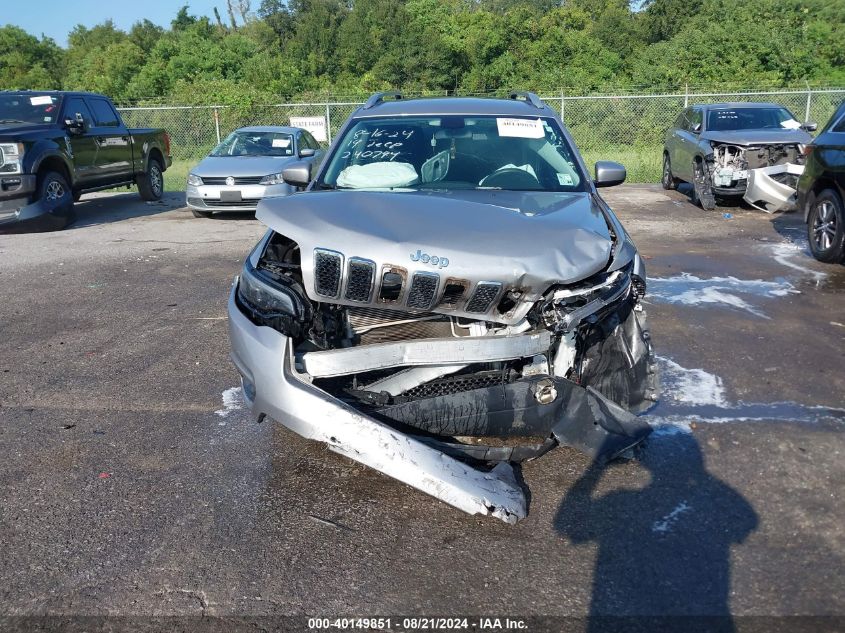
(151, 183)
(53, 190)
(667, 180)
(826, 227)
(702, 194)
(200, 214)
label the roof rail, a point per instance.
(378, 97)
(529, 97)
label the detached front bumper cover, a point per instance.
(580, 417)
(766, 193)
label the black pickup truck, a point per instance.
(55, 146)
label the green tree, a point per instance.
(102, 59)
(664, 18)
(27, 62)
(314, 41)
(145, 34)
(183, 20)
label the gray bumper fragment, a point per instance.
(598, 426)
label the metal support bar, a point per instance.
(435, 351)
(807, 109)
(328, 124)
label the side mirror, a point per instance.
(76, 125)
(696, 128)
(307, 152)
(809, 127)
(298, 174)
(609, 173)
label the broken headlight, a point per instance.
(260, 295)
(273, 301)
(566, 307)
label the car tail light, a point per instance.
(806, 150)
(167, 143)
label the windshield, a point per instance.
(454, 152)
(751, 119)
(29, 108)
(243, 143)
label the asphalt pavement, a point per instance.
(133, 482)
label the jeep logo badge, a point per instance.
(425, 258)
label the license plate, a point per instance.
(230, 196)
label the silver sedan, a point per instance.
(247, 167)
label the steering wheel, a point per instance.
(511, 178)
(248, 146)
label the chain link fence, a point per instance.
(627, 128)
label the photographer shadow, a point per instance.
(663, 560)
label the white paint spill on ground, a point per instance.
(698, 396)
(690, 290)
(795, 256)
(680, 385)
(233, 400)
(690, 386)
(665, 524)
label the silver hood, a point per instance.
(758, 137)
(521, 240)
(241, 166)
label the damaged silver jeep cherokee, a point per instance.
(448, 297)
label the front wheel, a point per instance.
(702, 193)
(826, 227)
(151, 184)
(54, 193)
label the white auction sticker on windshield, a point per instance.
(521, 128)
(281, 142)
(41, 100)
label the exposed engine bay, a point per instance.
(768, 173)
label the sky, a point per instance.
(56, 18)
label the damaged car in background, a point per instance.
(753, 150)
(449, 296)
